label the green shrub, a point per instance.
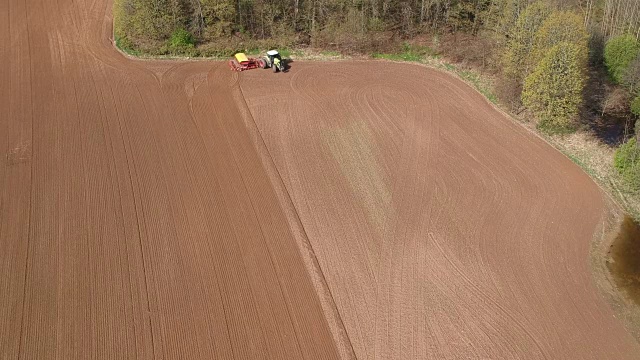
(553, 91)
(635, 106)
(181, 38)
(627, 162)
(124, 44)
(285, 53)
(619, 52)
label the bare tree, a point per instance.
(620, 17)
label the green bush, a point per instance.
(124, 44)
(635, 106)
(619, 52)
(181, 38)
(553, 91)
(627, 162)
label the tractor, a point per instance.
(274, 60)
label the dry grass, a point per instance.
(593, 155)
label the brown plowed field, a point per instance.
(174, 210)
(443, 229)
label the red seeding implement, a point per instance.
(240, 62)
(272, 60)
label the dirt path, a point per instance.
(383, 211)
(443, 229)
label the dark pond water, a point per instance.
(625, 253)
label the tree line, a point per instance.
(352, 25)
(622, 59)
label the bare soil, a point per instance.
(444, 229)
(136, 218)
(176, 210)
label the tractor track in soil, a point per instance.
(176, 210)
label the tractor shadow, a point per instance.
(287, 65)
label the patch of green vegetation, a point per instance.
(555, 128)
(253, 51)
(619, 52)
(181, 39)
(285, 53)
(398, 57)
(299, 53)
(330, 53)
(408, 52)
(126, 46)
(635, 107)
(627, 162)
(450, 67)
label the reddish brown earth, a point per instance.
(137, 220)
(444, 230)
(367, 209)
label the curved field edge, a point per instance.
(593, 157)
(596, 160)
(363, 98)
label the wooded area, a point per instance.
(355, 25)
